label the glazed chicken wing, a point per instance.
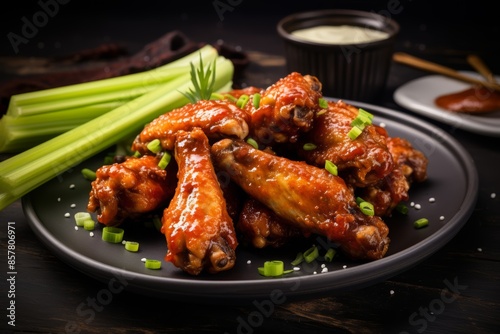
(307, 196)
(197, 227)
(215, 118)
(411, 166)
(260, 227)
(135, 186)
(362, 161)
(286, 109)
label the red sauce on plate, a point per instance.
(472, 100)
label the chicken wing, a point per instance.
(135, 186)
(215, 118)
(260, 227)
(197, 227)
(411, 166)
(286, 108)
(307, 196)
(362, 161)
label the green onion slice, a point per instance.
(152, 264)
(354, 132)
(330, 254)
(311, 254)
(154, 146)
(88, 174)
(323, 103)
(401, 208)
(132, 246)
(242, 101)
(252, 142)
(422, 222)
(309, 146)
(256, 100)
(89, 224)
(298, 259)
(273, 268)
(81, 217)
(112, 234)
(331, 167)
(165, 160)
(367, 208)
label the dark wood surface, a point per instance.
(49, 293)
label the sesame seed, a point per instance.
(391, 292)
(441, 218)
(344, 266)
(479, 249)
(296, 268)
(143, 259)
(323, 265)
(493, 195)
(67, 215)
(72, 186)
(418, 206)
(59, 199)
(91, 234)
(76, 228)
(382, 124)
(73, 205)
(412, 204)
(432, 200)
(249, 262)
(314, 272)
(324, 270)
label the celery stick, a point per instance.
(20, 133)
(28, 170)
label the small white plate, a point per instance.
(418, 95)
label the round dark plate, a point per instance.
(452, 182)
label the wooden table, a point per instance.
(456, 290)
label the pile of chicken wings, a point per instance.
(219, 191)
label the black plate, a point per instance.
(453, 182)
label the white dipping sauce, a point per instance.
(340, 34)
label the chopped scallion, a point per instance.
(354, 132)
(88, 174)
(253, 142)
(273, 268)
(422, 222)
(152, 264)
(309, 147)
(330, 254)
(242, 101)
(89, 224)
(165, 160)
(331, 167)
(81, 217)
(298, 259)
(256, 100)
(132, 246)
(112, 234)
(367, 208)
(323, 103)
(154, 146)
(401, 208)
(311, 254)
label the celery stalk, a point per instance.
(28, 170)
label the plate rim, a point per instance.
(236, 291)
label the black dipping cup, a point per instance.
(347, 71)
